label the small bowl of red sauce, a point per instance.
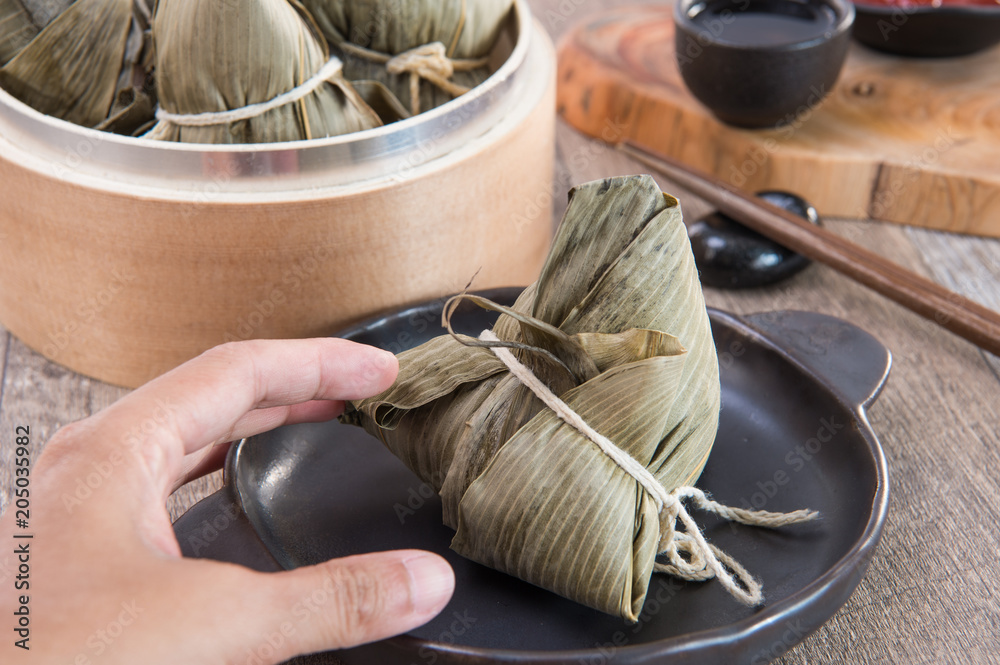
(928, 28)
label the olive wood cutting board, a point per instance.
(912, 141)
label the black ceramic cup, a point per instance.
(927, 31)
(761, 63)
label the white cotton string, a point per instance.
(330, 70)
(704, 561)
(429, 62)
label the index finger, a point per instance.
(201, 401)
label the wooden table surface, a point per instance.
(932, 594)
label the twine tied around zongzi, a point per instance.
(331, 72)
(689, 556)
(429, 62)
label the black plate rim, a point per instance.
(962, 10)
(856, 558)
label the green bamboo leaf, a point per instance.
(531, 497)
(610, 350)
(624, 295)
(616, 211)
(71, 69)
(16, 29)
(526, 493)
(430, 371)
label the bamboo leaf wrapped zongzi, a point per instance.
(222, 65)
(22, 20)
(426, 51)
(564, 441)
(78, 64)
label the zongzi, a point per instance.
(564, 441)
(254, 71)
(77, 66)
(22, 20)
(426, 51)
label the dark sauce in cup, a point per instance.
(762, 23)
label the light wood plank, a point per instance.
(45, 396)
(969, 266)
(40, 395)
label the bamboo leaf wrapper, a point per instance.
(75, 67)
(618, 303)
(465, 30)
(216, 56)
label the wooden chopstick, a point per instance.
(965, 318)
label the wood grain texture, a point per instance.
(966, 318)
(964, 265)
(907, 141)
(932, 594)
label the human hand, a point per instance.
(107, 581)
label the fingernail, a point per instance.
(432, 582)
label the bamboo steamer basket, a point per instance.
(121, 258)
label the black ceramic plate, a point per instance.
(926, 31)
(793, 434)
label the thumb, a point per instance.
(346, 602)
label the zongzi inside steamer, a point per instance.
(76, 66)
(426, 51)
(616, 327)
(22, 20)
(218, 56)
